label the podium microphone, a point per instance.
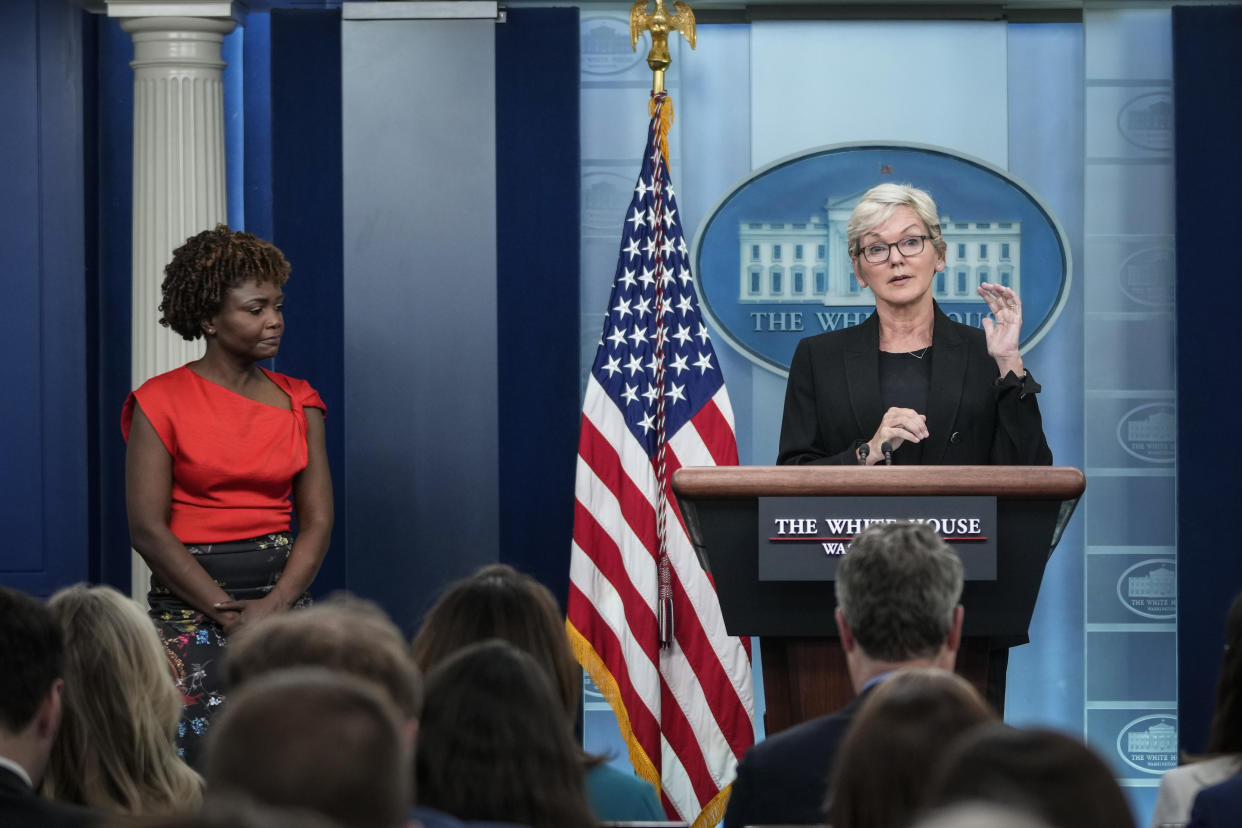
(888, 453)
(863, 451)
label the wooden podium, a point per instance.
(804, 671)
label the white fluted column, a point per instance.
(179, 166)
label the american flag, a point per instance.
(643, 616)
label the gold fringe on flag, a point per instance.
(713, 813)
(595, 668)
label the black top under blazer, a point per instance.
(974, 418)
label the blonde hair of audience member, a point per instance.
(1050, 775)
(115, 748)
(881, 774)
(343, 633)
(314, 738)
(494, 744)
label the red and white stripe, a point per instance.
(686, 712)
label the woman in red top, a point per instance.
(217, 448)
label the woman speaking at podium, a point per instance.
(909, 385)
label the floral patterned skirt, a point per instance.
(246, 570)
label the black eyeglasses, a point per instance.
(879, 252)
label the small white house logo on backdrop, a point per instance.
(1149, 432)
(1149, 589)
(1147, 121)
(1149, 743)
(605, 47)
(601, 193)
(1146, 276)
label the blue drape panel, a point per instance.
(1208, 150)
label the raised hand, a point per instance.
(1004, 329)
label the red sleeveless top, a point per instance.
(234, 459)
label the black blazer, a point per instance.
(21, 807)
(783, 780)
(832, 401)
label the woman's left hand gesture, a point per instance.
(1004, 334)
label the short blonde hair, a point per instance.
(878, 204)
(115, 750)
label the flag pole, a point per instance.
(686, 712)
(660, 23)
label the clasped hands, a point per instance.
(232, 615)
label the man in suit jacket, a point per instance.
(31, 653)
(897, 606)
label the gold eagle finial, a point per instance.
(660, 23)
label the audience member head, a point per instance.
(206, 267)
(31, 684)
(880, 777)
(115, 750)
(897, 600)
(979, 815)
(342, 633)
(314, 738)
(497, 601)
(1225, 734)
(495, 745)
(1050, 775)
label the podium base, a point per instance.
(807, 677)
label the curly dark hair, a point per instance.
(206, 267)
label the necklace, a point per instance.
(919, 354)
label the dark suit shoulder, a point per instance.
(783, 780)
(22, 808)
(795, 741)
